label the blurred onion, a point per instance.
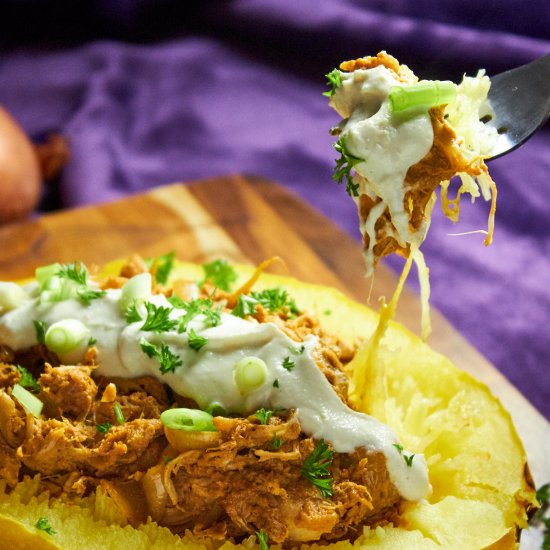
(20, 179)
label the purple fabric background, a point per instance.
(153, 92)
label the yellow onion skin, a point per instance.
(20, 178)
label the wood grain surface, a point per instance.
(248, 219)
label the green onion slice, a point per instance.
(423, 95)
(136, 291)
(30, 402)
(66, 335)
(189, 420)
(249, 374)
(11, 296)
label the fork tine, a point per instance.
(520, 100)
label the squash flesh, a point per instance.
(477, 464)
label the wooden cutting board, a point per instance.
(247, 219)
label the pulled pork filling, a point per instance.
(253, 473)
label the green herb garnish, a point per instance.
(343, 167)
(334, 80)
(158, 318)
(118, 413)
(27, 380)
(204, 306)
(276, 299)
(276, 442)
(75, 272)
(92, 341)
(288, 363)
(132, 314)
(276, 383)
(316, 468)
(104, 428)
(246, 305)
(263, 415)
(40, 328)
(169, 361)
(220, 273)
(195, 341)
(86, 295)
(539, 519)
(408, 458)
(263, 540)
(164, 264)
(44, 525)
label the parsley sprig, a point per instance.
(263, 415)
(86, 295)
(408, 458)
(540, 519)
(334, 80)
(276, 299)
(27, 380)
(263, 539)
(220, 273)
(196, 341)
(246, 305)
(43, 524)
(288, 363)
(343, 168)
(104, 428)
(158, 318)
(316, 468)
(40, 328)
(164, 266)
(168, 360)
(200, 306)
(75, 272)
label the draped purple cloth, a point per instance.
(154, 92)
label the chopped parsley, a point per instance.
(27, 380)
(263, 415)
(132, 314)
(104, 428)
(158, 318)
(164, 266)
(195, 341)
(44, 525)
(316, 468)
(276, 299)
(220, 273)
(343, 168)
(276, 383)
(75, 272)
(299, 350)
(334, 80)
(263, 539)
(408, 458)
(118, 413)
(86, 295)
(204, 306)
(246, 305)
(288, 363)
(92, 341)
(40, 328)
(168, 360)
(540, 519)
(276, 442)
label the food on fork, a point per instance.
(403, 138)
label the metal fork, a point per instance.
(520, 101)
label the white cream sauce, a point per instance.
(388, 144)
(207, 375)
